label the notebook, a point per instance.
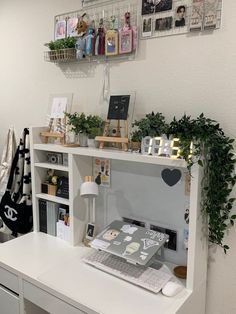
(134, 243)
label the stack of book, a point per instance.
(48, 217)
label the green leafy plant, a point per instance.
(78, 122)
(152, 125)
(96, 125)
(212, 150)
(92, 125)
(64, 43)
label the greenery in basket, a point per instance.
(152, 125)
(64, 43)
(80, 123)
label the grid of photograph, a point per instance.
(172, 17)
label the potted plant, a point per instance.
(96, 125)
(152, 125)
(62, 49)
(78, 123)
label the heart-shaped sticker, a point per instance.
(171, 177)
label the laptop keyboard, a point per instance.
(146, 277)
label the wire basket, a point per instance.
(62, 55)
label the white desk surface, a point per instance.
(56, 267)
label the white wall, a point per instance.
(192, 74)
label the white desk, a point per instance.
(51, 274)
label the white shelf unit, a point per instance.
(52, 198)
(47, 165)
(80, 161)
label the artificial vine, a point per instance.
(212, 150)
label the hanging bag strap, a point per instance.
(13, 167)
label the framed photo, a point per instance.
(156, 6)
(163, 5)
(71, 27)
(196, 18)
(125, 42)
(60, 29)
(180, 16)
(58, 109)
(163, 24)
(148, 7)
(118, 107)
(111, 43)
(147, 27)
(58, 105)
(90, 231)
(210, 15)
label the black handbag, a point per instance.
(14, 210)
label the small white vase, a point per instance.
(71, 138)
(91, 142)
(83, 139)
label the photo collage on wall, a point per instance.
(172, 17)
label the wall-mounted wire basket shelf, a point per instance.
(62, 55)
(69, 55)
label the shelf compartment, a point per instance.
(47, 165)
(113, 154)
(54, 199)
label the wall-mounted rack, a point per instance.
(95, 13)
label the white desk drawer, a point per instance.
(9, 280)
(47, 301)
(9, 302)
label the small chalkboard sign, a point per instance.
(118, 107)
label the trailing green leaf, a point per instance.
(214, 151)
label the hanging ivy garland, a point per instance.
(212, 150)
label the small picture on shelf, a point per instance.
(60, 29)
(180, 16)
(163, 24)
(147, 27)
(90, 231)
(118, 107)
(58, 105)
(71, 26)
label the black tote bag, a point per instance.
(14, 210)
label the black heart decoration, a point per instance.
(171, 177)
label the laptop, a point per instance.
(134, 243)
